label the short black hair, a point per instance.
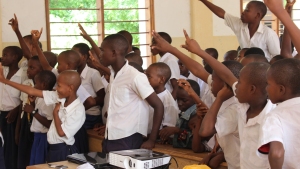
(72, 58)
(195, 86)
(127, 35)
(213, 52)
(163, 70)
(47, 77)
(51, 58)
(83, 48)
(286, 72)
(257, 58)
(15, 50)
(29, 38)
(117, 42)
(261, 7)
(234, 66)
(134, 57)
(208, 69)
(276, 58)
(135, 48)
(166, 36)
(254, 50)
(136, 66)
(243, 49)
(231, 55)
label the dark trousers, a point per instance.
(128, 143)
(81, 140)
(2, 165)
(59, 152)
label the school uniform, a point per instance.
(128, 112)
(91, 81)
(40, 145)
(23, 63)
(208, 98)
(249, 135)
(11, 101)
(72, 118)
(2, 162)
(26, 136)
(172, 62)
(264, 38)
(282, 125)
(171, 111)
(196, 79)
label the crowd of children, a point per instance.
(242, 111)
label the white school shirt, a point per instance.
(128, 112)
(45, 111)
(227, 132)
(249, 135)
(10, 97)
(81, 92)
(72, 118)
(171, 111)
(24, 96)
(23, 63)
(196, 79)
(208, 97)
(282, 125)
(264, 38)
(104, 82)
(91, 81)
(172, 62)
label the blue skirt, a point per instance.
(59, 152)
(39, 149)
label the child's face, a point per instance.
(184, 101)
(83, 58)
(249, 14)
(107, 55)
(273, 89)
(153, 77)
(182, 68)
(7, 57)
(63, 90)
(243, 87)
(217, 84)
(153, 51)
(62, 64)
(34, 67)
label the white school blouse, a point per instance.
(72, 118)
(172, 62)
(171, 111)
(208, 97)
(9, 96)
(128, 112)
(249, 135)
(282, 125)
(264, 38)
(91, 81)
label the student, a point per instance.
(171, 61)
(136, 50)
(184, 135)
(255, 51)
(128, 113)
(128, 37)
(241, 54)
(253, 58)
(275, 59)
(134, 57)
(158, 75)
(68, 114)
(230, 55)
(212, 52)
(249, 30)
(42, 115)
(91, 81)
(51, 58)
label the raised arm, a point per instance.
(286, 47)
(15, 26)
(222, 71)
(35, 39)
(193, 66)
(98, 66)
(90, 40)
(215, 9)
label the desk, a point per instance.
(45, 166)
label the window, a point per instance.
(99, 18)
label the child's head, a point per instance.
(241, 54)
(113, 48)
(184, 100)
(136, 50)
(136, 66)
(252, 82)
(254, 12)
(230, 55)
(255, 51)
(83, 50)
(45, 80)
(276, 58)
(51, 58)
(134, 57)
(34, 67)
(165, 36)
(28, 41)
(183, 69)
(283, 80)
(212, 52)
(68, 60)
(158, 74)
(217, 83)
(253, 58)
(68, 83)
(11, 55)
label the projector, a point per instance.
(138, 159)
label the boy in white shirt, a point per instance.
(158, 75)
(68, 115)
(249, 30)
(171, 61)
(128, 113)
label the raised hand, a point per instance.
(13, 22)
(83, 33)
(190, 44)
(36, 35)
(186, 86)
(275, 6)
(289, 5)
(160, 43)
(225, 93)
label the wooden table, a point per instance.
(46, 166)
